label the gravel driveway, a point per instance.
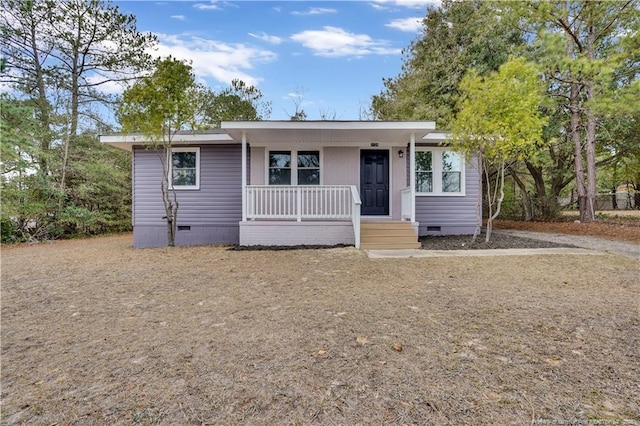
(583, 241)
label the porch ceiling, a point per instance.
(328, 132)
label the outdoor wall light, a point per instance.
(401, 154)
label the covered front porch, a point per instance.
(315, 183)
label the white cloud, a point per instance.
(266, 37)
(211, 58)
(315, 11)
(336, 42)
(212, 5)
(378, 6)
(179, 17)
(408, 25)
(105, 85)
(413, 4)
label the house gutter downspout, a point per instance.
(412, 175)
(244, 177)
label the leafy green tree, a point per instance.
(24, 205)
(170, 101)
(159, 107)
(499, 122)
(543, 178)
(237, 102)
(456, 36)
(18, 128)
(26, 49)
(61, 60)
(99, 190)
(590, 53)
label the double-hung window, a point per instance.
(424, 171)
(294, 168)
(451, 172)
(280, 168)
(185, 168)
(439, 172)
(308, 167)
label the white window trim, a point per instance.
(294, 163)
(436, 159)
(195, 149)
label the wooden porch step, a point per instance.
(389, 246)
(388, 235)
(386, 225)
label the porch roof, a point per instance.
(339, 132)
(126, 141)
(270, 132)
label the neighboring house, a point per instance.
(364, 183)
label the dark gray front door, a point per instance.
(374, 182)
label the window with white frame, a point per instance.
(305, 170)
(451, 172)
(424, 171)
(280, 168)
(185, 168)
(308, 167)
(439, 172)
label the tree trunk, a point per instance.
(575, 130)
(526, 201)
(75, 95)
(42, 102)
(170, 206)
(591, 165)
(497, 200)
(577, 146)
(63, 176)
(591, 137)
(170, 211)
(478, 230)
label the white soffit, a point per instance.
(438, 136)
(338, 132)
(127, 141)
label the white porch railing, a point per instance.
(406, 203)
(284, 202)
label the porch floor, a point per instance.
(384, 235)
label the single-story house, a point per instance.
(372, 184)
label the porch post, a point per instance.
(299, 204)
(244, 177)
(412, 175)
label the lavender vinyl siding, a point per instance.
(341, 165)
(209, 215)
(451, 215)
(257, 162)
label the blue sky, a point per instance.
(335, 54)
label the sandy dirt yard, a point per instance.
(95, 332)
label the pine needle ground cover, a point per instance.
(95, 332)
